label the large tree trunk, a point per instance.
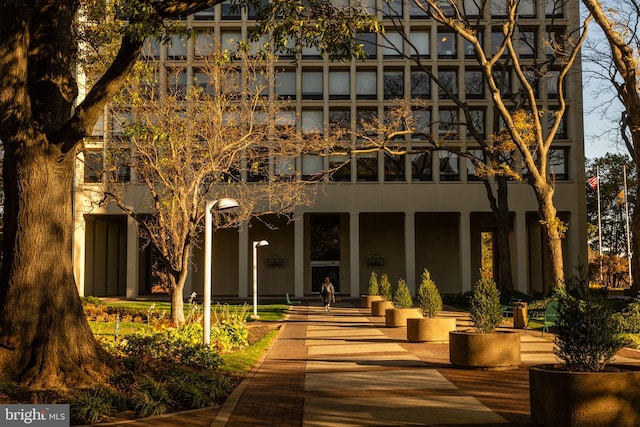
(554, 232)
(45, 340)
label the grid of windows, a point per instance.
(354, 92)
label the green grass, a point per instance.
(108, 328)
(142, 305)
(241, 361)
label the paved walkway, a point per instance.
(345, 368)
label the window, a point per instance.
(449, 79)
(312, 169)
(392, 8)
(527, 44)
(252, 10)
(392, 44)
(472, 8)
(285, 119)
(531, 75)
(285, 168)
(552, 83)
(558, 164)
(98, 128)
(469, 50)
(562, 128)
(177, 83)
(478, 155)
(229, 40)
(449, 166)
(394, 167)
(422, 166)
(554, 8)
(421, 124)
(311, 52)
(367, 121)
(366, 84)
(554, 44)
(420, 43)
(394, 124)
(257, 164)
(177, 47)
(448, 123)
(340, 120)
(230, 10)
(446, 45)
(418, 10)
(202, 79)
(258, 83)
(393, 84)
(259, 46)
(497, 38)
(340, 165)
(204, 44)
(151, 49)
(367, 166)
(502, 79)
(420, 85)
(474, 84)
(477, 121)
(527, 8)
(120, 120)
(285, 85)
(93, 166)
(311, 121)
(311, 84)
(446, 8)
(369, 43)
(205, 15)
(500, 8)
(339, 84)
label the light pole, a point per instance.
(221, 204)
(256, 245)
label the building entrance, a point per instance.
(322, 269)
(325, 250)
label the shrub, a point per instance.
(402, 297)
(230, 327)
(95, 405)
(91, 300)
(374, 288)
(385, 287)
(629, 318)
(484, 306)
(429, 299)
(151, 397)
(587, 336)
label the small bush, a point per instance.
(484, 306)
(587, 335)
(230, 327)
(374, 288)
(402, 297)
(429, 299)
(385, 287)
(95, 405)
(91, 300)
(151, 397)
(629, 318)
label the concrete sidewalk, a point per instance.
(346, 368)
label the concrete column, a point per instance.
(464, 231)
(243, 261)
(79, 252)
(133, 258)
(298, 256)
(354, 253)
(410, 250)
(520, 266)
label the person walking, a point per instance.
(328, 293)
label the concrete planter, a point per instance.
(495, 350)
(378, 307)
(366, 300)
(397, 317)
(430, 329)
(585, 399)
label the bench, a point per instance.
(548, 316)
(507, 309)
(292, 301)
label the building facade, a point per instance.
(394, 214)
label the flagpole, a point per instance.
(626, 208)
(599, 223)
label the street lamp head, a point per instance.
(224, 203)
(260, 243)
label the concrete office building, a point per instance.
(383, 213)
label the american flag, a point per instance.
(593, 182)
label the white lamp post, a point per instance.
(256, 245)
(210, 206)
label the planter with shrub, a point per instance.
(403, 309)
(585, 390)
(378, 308)
(373, 292)
(483, 347)
(429, 328)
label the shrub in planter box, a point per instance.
(430, 327)
(403, 307)
(373, 291)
